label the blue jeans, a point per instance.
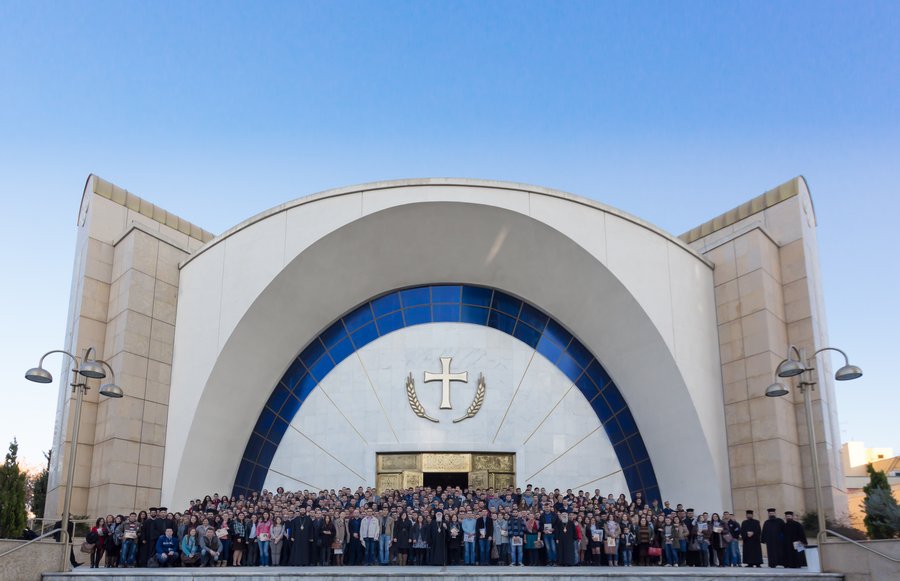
(682, 551)
(384, 550)
(733, 554)
(263, 553)
(626, 556)
(484, 552)
(469, 557)
(516, 558)
(129, 551)
(550, 543)
(223, 554)
(371, 549)
(671, 555)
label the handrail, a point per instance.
(857, 543)
(25, 544)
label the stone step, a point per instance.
(443, 573)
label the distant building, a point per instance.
(855, 457)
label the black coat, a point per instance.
(752, 542)
(773, 537)
(486, 523)
(793, 533)
(402, 531)
(457, 541)
(548, 518)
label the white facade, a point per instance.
(531, 408)
(640, 300)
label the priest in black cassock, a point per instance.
(438, 531)
(751, 534)
(565, 540)
(145, 549)
(794, 538)
(301, 539)
(773, 537)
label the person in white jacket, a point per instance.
(369, 530)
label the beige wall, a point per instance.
(124, 295)
(768, 295)
(858, 564)
(28, 563)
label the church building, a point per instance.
(446, 332)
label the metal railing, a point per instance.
(860, 545)
(81, 525)
(29, 542)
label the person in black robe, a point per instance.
(751, 534)
(158, 528)
(794, 538)
(566, 537)
(773, 537)
(148, 538)
(438, 532)
(301, 539)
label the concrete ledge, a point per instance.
(857, 564)
(28, 563)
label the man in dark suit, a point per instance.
(484, 533)
(355, 544)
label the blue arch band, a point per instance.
(450, 304)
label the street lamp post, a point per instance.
(87, 368)
(803, 367)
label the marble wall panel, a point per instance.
(725, 265)
(99, 260)
(94, 299)
(138, 250)
(162, 341)
(793, 262)
(361, 408)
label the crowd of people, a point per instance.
(453, 526)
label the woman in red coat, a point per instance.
(99, 535)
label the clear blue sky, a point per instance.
(674, 112)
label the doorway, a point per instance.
(445, 479)
(403, 470)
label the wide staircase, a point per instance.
(442, 574)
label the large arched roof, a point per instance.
(467, 182)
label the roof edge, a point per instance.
(787, 190)
(105, 189)
(449, 182)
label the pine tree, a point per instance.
(12, 495)
(39, 490)
(882, 512)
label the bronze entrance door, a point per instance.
(473, 469)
